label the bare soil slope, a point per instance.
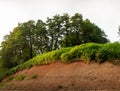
(76, 76)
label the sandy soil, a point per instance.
(76, 76)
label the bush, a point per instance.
(1, 85)
(21, 77)
(85, 52)
(89, 52)
(74, 53)
(110, 52)
(34, 76)
(66, 57)
(10, 78)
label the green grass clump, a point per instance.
(10, 78)
(87, 52)
(21, 77)
(1, 85)
(34, 76)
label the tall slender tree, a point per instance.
(41, 38)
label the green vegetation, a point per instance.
(87, 52)
(10, 78)
(34, 76)
(21, 77)
(110, 52)
(31, 38)
(61, 38)
(1, 85)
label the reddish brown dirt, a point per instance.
(76, 76)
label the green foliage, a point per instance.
(31, 38)
(66, 57)
(87, 52)
(38, 60)
(110, 51)
(10, 78)
(34, 76)
(83, 31)
(1, 85)
(17, 46)
(45, 58)
(2, 72)
(21, 77)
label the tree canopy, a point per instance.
(31, 38)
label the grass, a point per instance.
(1, 85)
(10, 78)
(87, 52)
(20, 77)
(34, 76)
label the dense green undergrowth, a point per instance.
(87, 52)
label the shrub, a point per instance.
(110, 51)
(74, 53)
(89, 52)
(21, 77)
(10, 78)
(1, 85)
(85, 52)
(34, 76)
(56, 54)
(66, 57)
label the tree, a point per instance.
(28, 30)
(10, 50)
(31, 38)
(55, 31)
(17, 47)
(41, 39)
(92, 33)
(83, 31)
(66, 30)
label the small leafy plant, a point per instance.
(21, 77)
(34, 76)
(10, 78)
(1, 85)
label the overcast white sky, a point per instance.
(104, 13)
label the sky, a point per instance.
(104, 13)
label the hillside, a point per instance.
(75, 76)
(63, 70)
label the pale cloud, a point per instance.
(104, 13)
